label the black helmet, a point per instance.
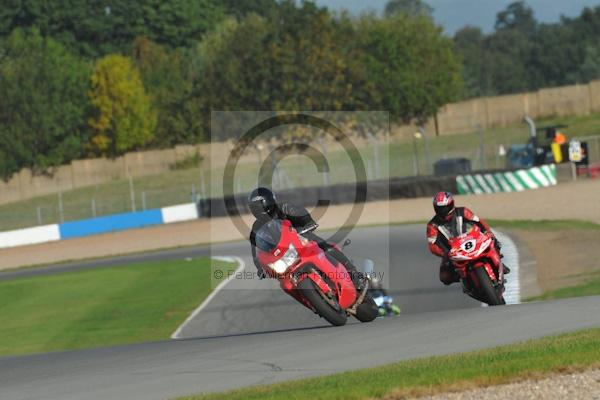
(443, 204)
(262, 202)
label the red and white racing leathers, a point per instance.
(439, 231)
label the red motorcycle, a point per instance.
(310, 275)
(475, 258)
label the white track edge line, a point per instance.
(512, 295)
(241, 266)
(513, 261)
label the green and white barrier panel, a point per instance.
(511, 181)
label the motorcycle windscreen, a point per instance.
(269, 235)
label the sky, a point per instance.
(454, 14)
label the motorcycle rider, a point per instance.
(376, 290)
(263, 205)
(444, 225)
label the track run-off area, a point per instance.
(252, 333)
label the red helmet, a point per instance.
(443, 204)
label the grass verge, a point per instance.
(589, 288)
(100, 307)
(531, 359)
(544, 225)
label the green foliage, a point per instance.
(516, 16)
(194, 56)
(239, 9)
(523, 55)
(123, 118)
(413, 8)
(307, 59)
(94, 28)
(43, 103)
(410, 65)
(193, 161)
(164, 73)
(590, 68)
(231, 70)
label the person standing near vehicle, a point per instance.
(444, 226)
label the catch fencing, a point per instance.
(455, 118)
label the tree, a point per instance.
(516, 16)
(303, 59)
(240, 9)
(123, 117)
(230, 70)
(43, 103)
(590, 69)
(97, 27)
(163, 72)
(469, 46)
(524, 55)
(175, 23)
(413, 8)
(312, 53)
(410, 64)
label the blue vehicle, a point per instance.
(537, 151)
(520, 156)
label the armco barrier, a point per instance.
(507, 181)
(94, 226)
(110, 223)
(38, 234)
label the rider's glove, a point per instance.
(498, 244)
(261, 273)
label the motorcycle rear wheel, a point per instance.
(492, 295)
(310, 291)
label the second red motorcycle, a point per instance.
(477, 261)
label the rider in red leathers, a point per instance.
(444, 225)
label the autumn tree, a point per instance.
(123, 116)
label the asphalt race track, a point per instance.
(251, 333)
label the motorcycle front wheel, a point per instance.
(313, 294)
(492, 295)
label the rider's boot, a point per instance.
(506, 269)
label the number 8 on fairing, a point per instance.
(468, 245)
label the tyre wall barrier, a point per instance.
(507, 181)
(379, 190)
